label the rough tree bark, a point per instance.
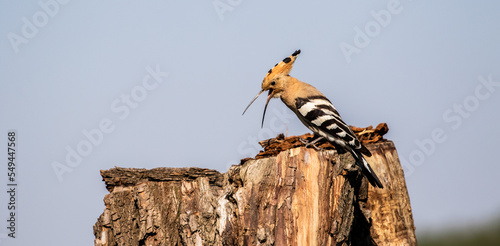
(287, 195)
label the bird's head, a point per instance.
(275, 80)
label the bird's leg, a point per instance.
(312, 142)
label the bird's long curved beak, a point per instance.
(265, 108)
(252, 101)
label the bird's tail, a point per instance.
(367, 171)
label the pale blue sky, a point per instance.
(68, 67)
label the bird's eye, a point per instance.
(273, 83)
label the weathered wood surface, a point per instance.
(146, 209)
(298, 197)
(392, 219)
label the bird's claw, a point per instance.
(311, 143)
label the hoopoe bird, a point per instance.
(315, 111)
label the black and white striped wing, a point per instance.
(321, 117)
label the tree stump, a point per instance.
(298, 196)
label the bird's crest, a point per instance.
(283, 67)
